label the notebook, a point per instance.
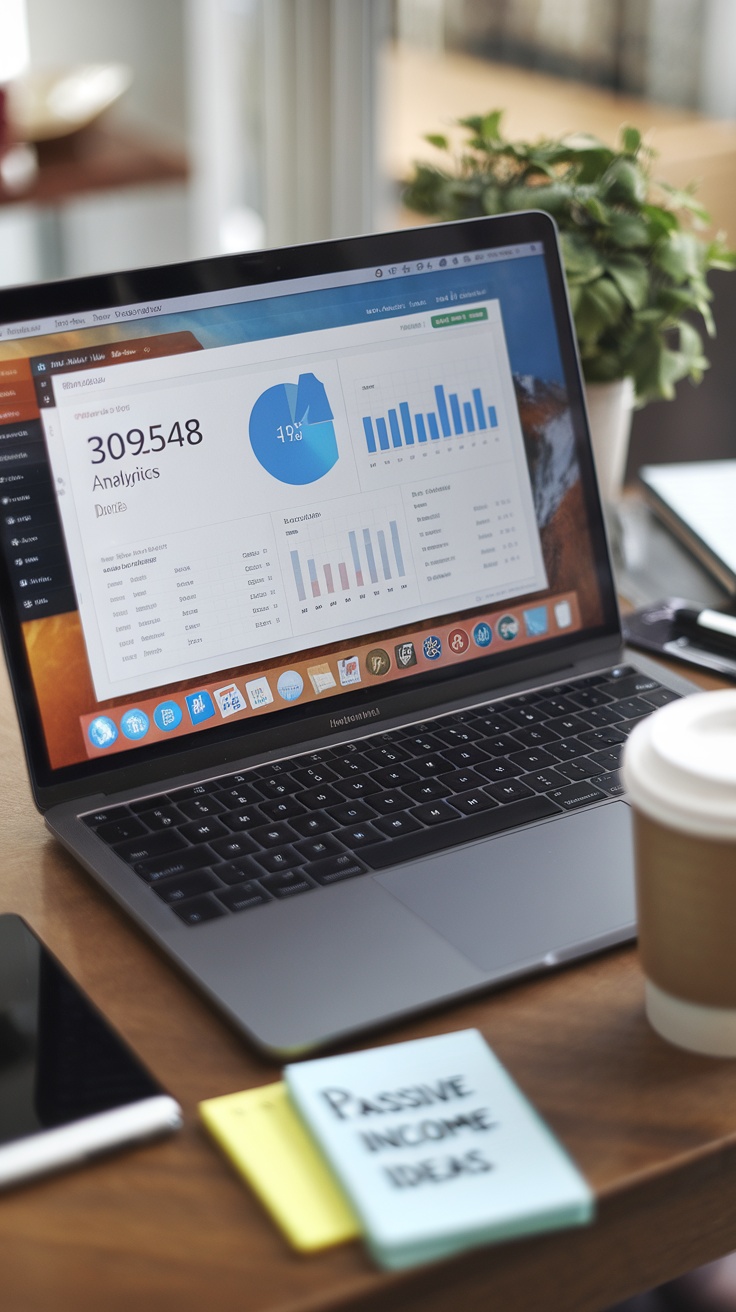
(695, 500)
(310, 621)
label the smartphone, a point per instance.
(70, 1088)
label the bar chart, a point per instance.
(370, 556)
(452, 415)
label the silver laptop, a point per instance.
(310, 621)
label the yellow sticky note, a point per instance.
(265, 1140)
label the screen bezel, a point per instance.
(293, 724)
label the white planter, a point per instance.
(610, 408)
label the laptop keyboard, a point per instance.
(285, 828)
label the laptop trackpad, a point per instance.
(511, 901)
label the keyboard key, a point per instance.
(201, 831)
(273, 835)
(116, 831)
(597, 717)
(176, 863)
(502, 746)
(336, 868)
(393, 776)
(235, 845)
(313, 774)
(465, 756)
(534, 758)
(428, 767)
(660, 696)
(196, 910)
(243, 896)
(419, 744)
(396, 825)
(388, 754)
(316, 799)
(632, 708)
(497, 819)
(609, 758)
(476, 799)
(152, 845)
(499, 769)
(594, 738)
(576, 795)
(357, 763)
(385, 803)
(537, 735)
(458, 734)
(111, 813)
(176, 890)
(426, 790)
(581, 768)
(313, 849)
(276, 785)
(355, 836)
(241, 795)
(590, 697)
(631, 685)
(194, 790)
(234, 872)
(356, 788)
(511, 791)
(314, 822)
(278, 858)
(287, 882)
(246, 818)
(525, 714)
(348, 813)
(161, 817)
(566, 749)
(540, 781)
(435, 813)
(552, 707)
(200, 806)
(460, 781)
(566, 726)
(610, 783)
(492, 724)
(284, 809)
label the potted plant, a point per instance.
(636, 256)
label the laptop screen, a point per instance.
(237, 490)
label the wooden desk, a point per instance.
(98, 158)
(170, 1227)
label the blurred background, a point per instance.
(146, 132)
(186, 128)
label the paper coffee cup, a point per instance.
(679, 769)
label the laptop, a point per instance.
(310, 622)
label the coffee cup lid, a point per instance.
(679, 765)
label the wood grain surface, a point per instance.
(170, 1226)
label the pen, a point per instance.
(711, 627)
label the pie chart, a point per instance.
(291, 431)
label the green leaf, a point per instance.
(437, 139)
(630, 140)
(582, 261)
(600, 306)
(625, 183)
(677, 255)
(628, 230)
(631, 276)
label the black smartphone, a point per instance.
(70, 1088)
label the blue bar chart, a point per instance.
(451, 415)
(371, 556)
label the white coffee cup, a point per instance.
(679, 769)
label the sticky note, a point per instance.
(268, 1144)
